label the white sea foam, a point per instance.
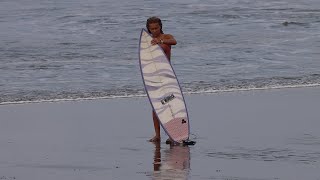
(144, 95)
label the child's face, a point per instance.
(155, 29)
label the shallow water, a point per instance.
(75, 49)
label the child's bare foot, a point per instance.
(155, 139)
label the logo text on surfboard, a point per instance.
(167, 99)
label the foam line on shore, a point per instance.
(144, 95)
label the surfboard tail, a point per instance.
(179, 128)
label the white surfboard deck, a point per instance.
(163, 89)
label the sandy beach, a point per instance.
(244, 135)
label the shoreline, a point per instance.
(204, 92)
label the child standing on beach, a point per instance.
(154, 27)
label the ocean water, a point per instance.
(64, 50)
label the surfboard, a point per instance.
(163, 89)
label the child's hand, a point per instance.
(155, 41)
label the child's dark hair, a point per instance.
(154, 20)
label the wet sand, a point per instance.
(248, 135)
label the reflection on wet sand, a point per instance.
(174, 164)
